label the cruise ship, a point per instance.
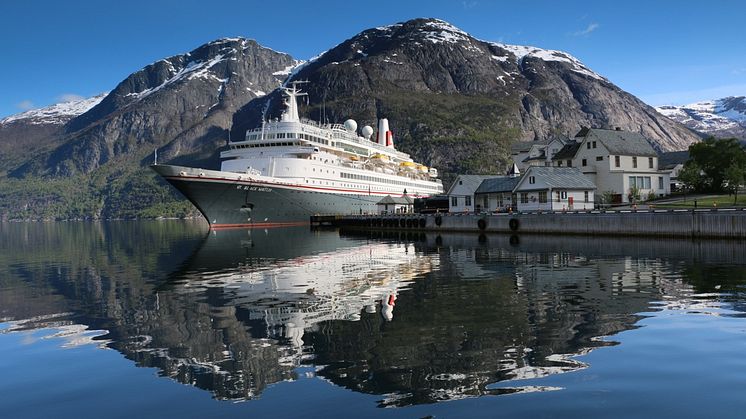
(289, 169)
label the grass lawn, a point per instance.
(722, 201)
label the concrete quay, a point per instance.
(702, 223)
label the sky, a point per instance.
(664, 52)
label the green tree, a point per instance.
(714, 157)
(691, 176)
(735, 175)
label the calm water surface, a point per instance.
(166, 319)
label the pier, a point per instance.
(699, 223)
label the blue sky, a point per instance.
(663, 51)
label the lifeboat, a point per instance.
(422, 168)
(408, 165)
(379, 158)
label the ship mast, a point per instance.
(291, 102)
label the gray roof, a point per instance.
(523, 146)
(560, 177)
(498, 184)
(541, 156)
(398, 200)
(621, 143)
(567, 152)
(469, 181)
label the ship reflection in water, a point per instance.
(411, 318)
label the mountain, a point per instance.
(453, 101)
(721, 118)
(38, 128)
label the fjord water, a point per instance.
(166, 319)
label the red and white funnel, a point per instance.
(385, 136)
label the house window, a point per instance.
(585, 196)
(616, 161)
(543, 197)
(650, 162)
(563, 194)
(558, 196)
(559, 163)
(454, 201)
(486, 201)
(531, 180)
(660, 182)
(524, 197)
(634, 161)
(599, 158)
(585, 162)
(569, 163)
(640, 182)
(467, 201)
(594, 144)
(588, 145)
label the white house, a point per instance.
(461, 192)
(618, 162)
(554, 189)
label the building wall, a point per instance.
(608, 177)
(460, 192)
(464, 203)
(495, 202)
(555, 203)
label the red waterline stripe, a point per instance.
(259, 225)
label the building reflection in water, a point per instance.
(415, 318)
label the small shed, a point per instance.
(395, 204)
(496, 194)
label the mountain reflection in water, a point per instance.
(415, 318)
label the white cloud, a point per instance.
(25, 105)
(587, 31)
(69, 97)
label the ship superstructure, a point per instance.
(289, 169)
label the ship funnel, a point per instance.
(383, 129)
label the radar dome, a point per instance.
(351, 125)
(367, 131)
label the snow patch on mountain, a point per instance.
(709, 116)
(521, 52)
(439, 31)
(59, 113)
